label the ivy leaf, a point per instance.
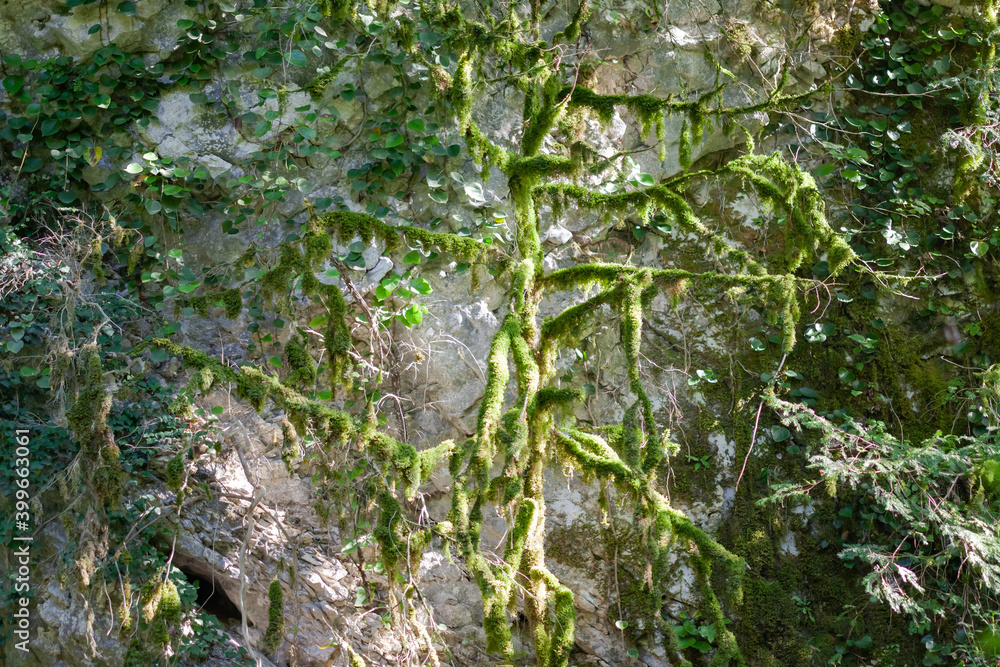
(979, 248)
(417, 125)
(393, 139)
(757, 344)
(134, 168)
(93, 155)
(646, 179)
(28, 372)
(475, 192)
(780, 433)
(12, 84)
(31, 164)
(127, 8)
(420, 286)
(297, 58)
(412, 257)
(440, 196)
(825, 169)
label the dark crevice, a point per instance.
(212, 597)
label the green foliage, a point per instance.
(943, 537)
(275, 618)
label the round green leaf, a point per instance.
(12, 84)
(780, 433)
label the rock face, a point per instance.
(444, 357)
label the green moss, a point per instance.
(275, 618)
(97, 261)
(175, 472)
(169, 606)
(989, 477)
(316, 87)
(233, 302)
(302, 371)
(572, 31)
(136, 656)
(347, 225)
(199, 304)
(289, 444)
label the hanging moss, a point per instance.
(175, 472)
(347, 224)
(275, 618)
(233, 302)
(199, 304)
(169, 606)
(149, 596)
(302, 372)
(989, 476)
(125, 619)
(571, 32)
(290, 449)
(318, 85)
(337, 335)
(136, 655)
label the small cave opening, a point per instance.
(212, 597)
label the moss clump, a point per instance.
(233, 302)
(159, 633)
(149, 596)
(97, 261)
(175, 472)
(347, 225)
(199, 304)
(88, 421)
(303, 368)
(316, 87)
(275, 618)
(169, 607)
(337, 335)
(289, 444)
(252, 392)
(136, 654)
(989, 476)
